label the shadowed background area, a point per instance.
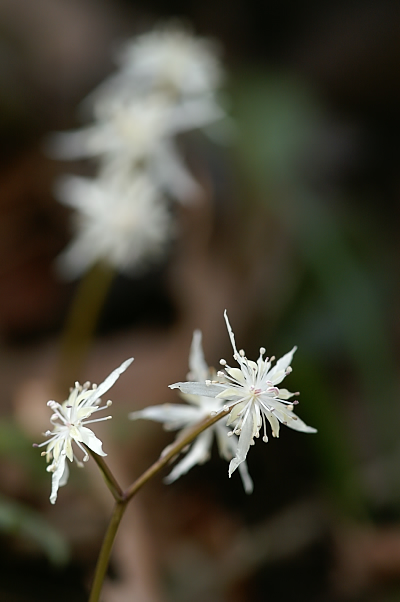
(296, 237)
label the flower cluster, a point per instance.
(69, 420)
(197, 407)
(252, 394)
(248, 395)
(165, 85)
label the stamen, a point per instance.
(288, 370)
(241, 353)
(262, 350)
(265, 439)
(97, 420)
(222, 362)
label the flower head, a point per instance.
(121, 221)
(69, 420)
(253, 394)
(182, 416)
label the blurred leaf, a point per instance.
(17, 519)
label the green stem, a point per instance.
(108, 476)
(172, 450)
(105, 552)
(123, 497)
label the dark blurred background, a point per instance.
(298, 240)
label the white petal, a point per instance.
(231, 393)
(278, 372)
(193, 388)
(246, 436)
(108, 382)
(235, 412)
(197, 363)
(92, 442)
(173, 415)
(58, 479)
(198, 454)
(231, 335)
(285, 394)
(290, 419)
(227, 449)
(237, 374)
(246, 478)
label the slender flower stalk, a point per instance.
(123, 497)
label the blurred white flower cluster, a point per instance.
(165, 85)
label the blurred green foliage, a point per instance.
(336, 291)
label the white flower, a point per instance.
(181, 416)
(139, 134)
(121, 221)
(253, 389)
(69, 420)
(170, 60)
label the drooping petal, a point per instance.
(58, 479)
(89, 438)
(246, 478)
(245, 439)
(227, 449)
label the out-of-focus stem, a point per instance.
(81, 324)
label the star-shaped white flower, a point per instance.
(253, 390)
(69, 420)
(181, 416)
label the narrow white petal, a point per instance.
(173, 415)
(108, 382)
(203, 389)
(246, 436)
(198, 454)
(231, 335)
(278, 372)
(197, 363)
(290, 419)
(246, 478)
(285, 394)
(57, 479)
